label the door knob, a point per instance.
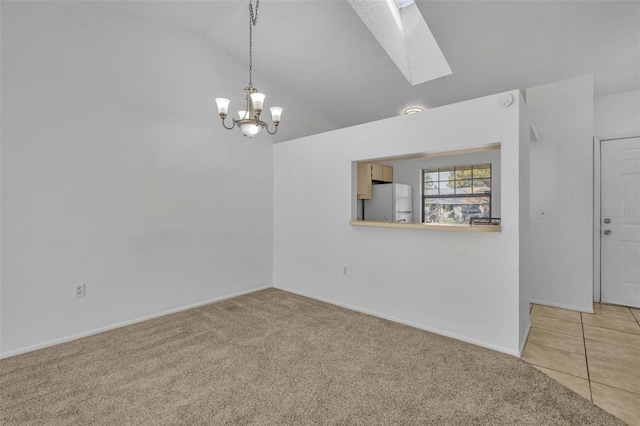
(607, 232)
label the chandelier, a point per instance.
(249, 120)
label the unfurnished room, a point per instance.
(319, 212)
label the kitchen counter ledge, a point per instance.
(429, 226)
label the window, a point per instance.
(456, 194)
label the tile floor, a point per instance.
(596, 355)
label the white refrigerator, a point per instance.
(390, 202)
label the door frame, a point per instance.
(597, 220)
(597, 208)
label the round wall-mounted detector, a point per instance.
(506, 100)
(413, 110)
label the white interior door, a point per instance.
(620, 221)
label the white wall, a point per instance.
(562, 183)
(617, 116)
(116, 172)
(409, 172)
(524, 240)
(411, 276)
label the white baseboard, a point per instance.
(401, 321)
(311, 296)
(123, 324)
(561, 306)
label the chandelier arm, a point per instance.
(232, 125)
(270, 132)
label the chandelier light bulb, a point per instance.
(250, 129)
(243, 115)
(258, 100)
(223, 106)
(276, 112)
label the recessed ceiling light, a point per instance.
(413, 110)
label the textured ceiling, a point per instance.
(322, 52)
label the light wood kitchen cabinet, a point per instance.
(370, 174)
(387, 174)
(364, 181)
(376, 172)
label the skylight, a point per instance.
(404, 3)
(401, 30)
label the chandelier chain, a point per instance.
(253, 20)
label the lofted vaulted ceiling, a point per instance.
(322, 52)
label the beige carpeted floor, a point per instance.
(273, 358)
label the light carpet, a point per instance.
(274, 358)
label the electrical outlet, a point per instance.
(78, 290)
(345, 271)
